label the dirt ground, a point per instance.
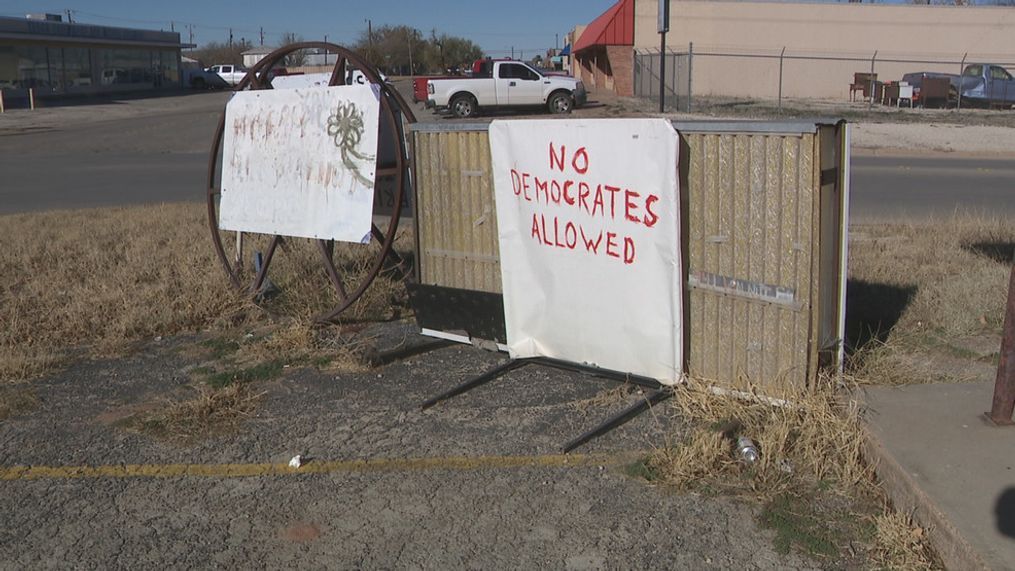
(474, 483)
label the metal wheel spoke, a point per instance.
(327, 249)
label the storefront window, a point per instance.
(56, 69)
(170, 68)
(32, 68)
(82, 69)
(77, 67)
(8, 67)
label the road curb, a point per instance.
(907, 497)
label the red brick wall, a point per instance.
(622, 65)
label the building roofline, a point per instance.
(24, 29)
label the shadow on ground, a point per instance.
(1001, 252)
(872, 310)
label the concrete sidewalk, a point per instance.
(939, 458)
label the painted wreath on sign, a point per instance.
(346, 126)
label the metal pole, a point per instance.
(411, 67)
(782, 54)
(1, 100)
(662, 72)
(238, 259)
(962, 67)
(870, 105)
(1004, 385)
(31, 98)
(690, 72)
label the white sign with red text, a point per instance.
(588, 212)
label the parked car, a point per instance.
(512, 84)
(980, 84)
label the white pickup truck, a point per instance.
(231, 74)
(512, 84)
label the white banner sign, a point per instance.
(301, 162)
(302, 80)
(588, 218)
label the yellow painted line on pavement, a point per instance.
(453, 463)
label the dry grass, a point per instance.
(929, 288)
(817, 437)
(16, 400)
(607, 398)
(95, 282)
(209, 412)
(818, 492)
(901, 544)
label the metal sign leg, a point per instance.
(475, 382)
(620, 418)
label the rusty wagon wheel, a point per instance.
(392, 107)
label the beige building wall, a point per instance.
(926, 35)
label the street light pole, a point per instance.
(664, 26)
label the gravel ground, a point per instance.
(441, 515)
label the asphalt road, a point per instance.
(907, 188)
(162, 157)
(883, 189)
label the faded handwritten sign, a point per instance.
(588, 217)
(302, 80)
(301, 162)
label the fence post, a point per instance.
(962, 67)
(870, 105)
(690, 72)
(1004, 385)
(781, 55)
(675, 75)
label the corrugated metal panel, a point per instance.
(456, 220)
(752, 204)
(751, 212)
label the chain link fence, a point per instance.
(648, 68)
(779, 74)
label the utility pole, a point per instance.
(190, 28)
(70, 17)
(408, 37)
(172, 26)
(230, 37)
(512, 52)
(556, 41)
(663, 27)
(370, 41)
(262, 35)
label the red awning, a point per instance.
(615, 27)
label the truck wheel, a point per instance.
(463, 106)
(197, 83)
(560, 103)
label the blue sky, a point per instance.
(527, 25)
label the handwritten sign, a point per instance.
(300, 81)
(301, 162)
(588, 217)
